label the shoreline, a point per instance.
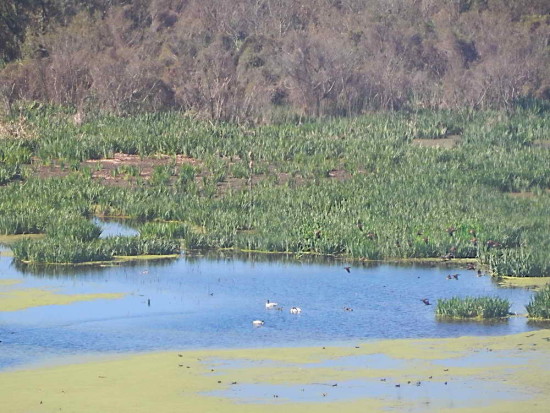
(217, 380)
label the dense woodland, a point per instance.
(269, 60)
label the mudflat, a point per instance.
(467, 374)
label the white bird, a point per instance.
(258, 323)
(295, 310)
(269, 304)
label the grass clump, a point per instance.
(473, 308)
(55, 250)
(73, 251)
(539, 306)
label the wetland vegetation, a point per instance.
(468, 307)
(539, 306)
(359, 188)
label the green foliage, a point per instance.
(71, 250)
(170, 230)
(72, 228)
(476, 308)
(355, 187)
(56, 250)
(539, 306)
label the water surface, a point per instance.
(211, 301)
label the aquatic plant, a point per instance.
(469, 307)
(55, 250)
(354, 187)
(539, 306)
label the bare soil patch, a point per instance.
(121, 170)
(446, 143)
(542, 143)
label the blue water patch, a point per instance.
(371, 361)
(425, 395)
(113, 228)
(210, 302)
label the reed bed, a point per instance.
(539, 306)
(70, 250)
(472, 308)
(353, 187)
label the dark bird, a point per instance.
(455, 276)
(449, 277)
(425, 301)
(479, 273)
(148, 303)
(348, 269)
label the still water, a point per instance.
(211, 301)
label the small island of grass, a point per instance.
(479, 308)
(539, 306)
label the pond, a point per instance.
(211, 301)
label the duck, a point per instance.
(425, 301)
(258, 323)
(295, 310)
(269, 304)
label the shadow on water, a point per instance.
(72, 271)
(209, 300)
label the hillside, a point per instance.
(267, 60)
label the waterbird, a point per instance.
(258, 323)
(348, 269)
(295, 310)
(449, 277)
(455, 276)
(425, 301)
(269, 304)
(348, 309)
